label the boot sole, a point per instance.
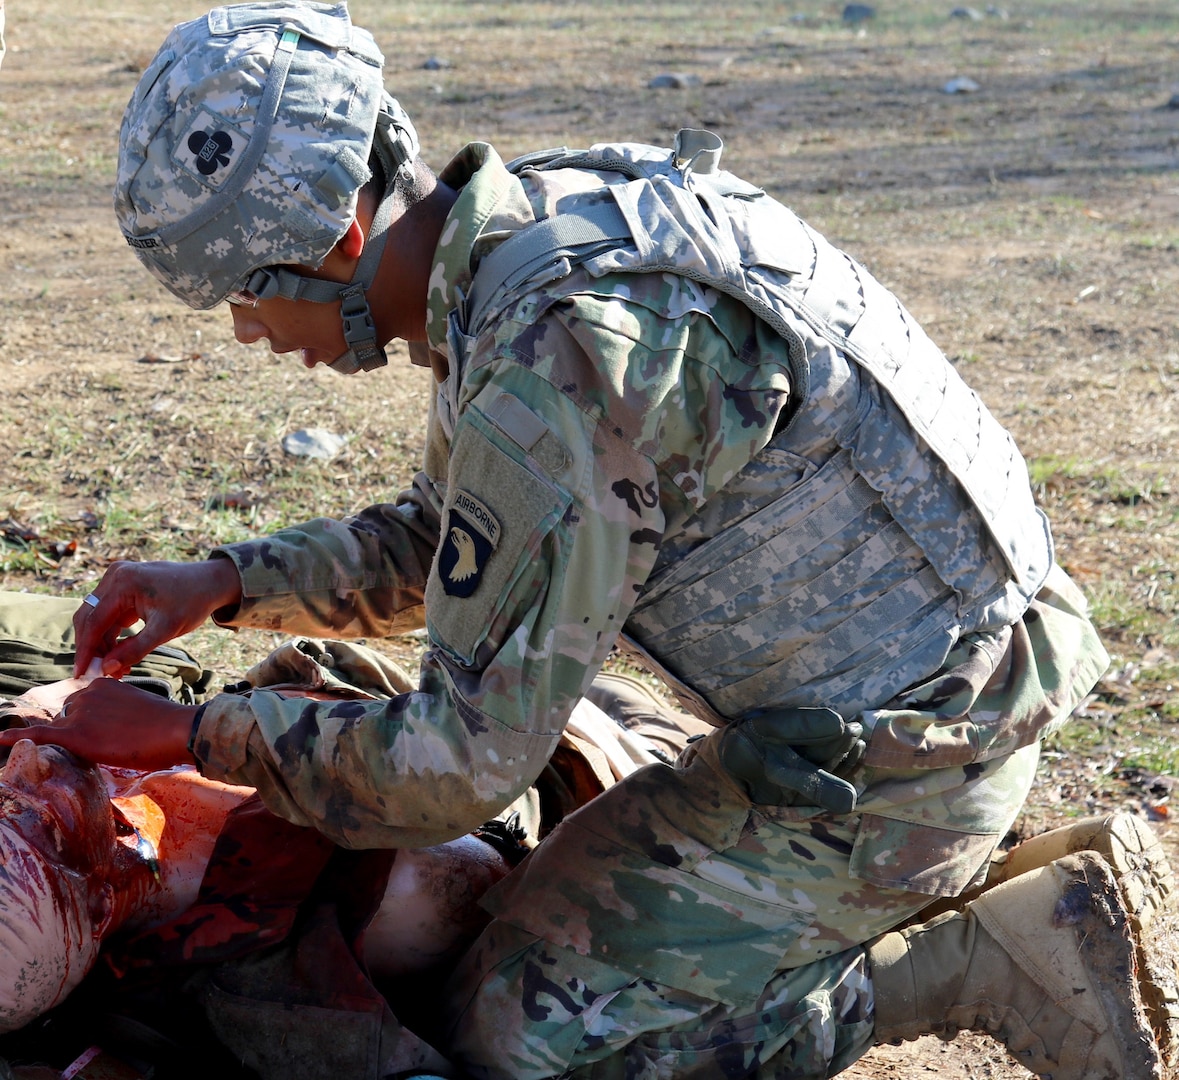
(1132, 850)
(1139, 863)
(1159, 982)
(1111, 945)
(1146, 881)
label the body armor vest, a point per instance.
(889, 517)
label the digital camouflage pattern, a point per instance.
(208, 188)
(889, 513)
(570, 449)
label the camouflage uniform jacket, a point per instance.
(603, 427)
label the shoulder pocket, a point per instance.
(500, 508)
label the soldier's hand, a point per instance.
(170, 598)
(789, 757)
(111, 723)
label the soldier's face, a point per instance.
(313, 330)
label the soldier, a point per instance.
(671, 417)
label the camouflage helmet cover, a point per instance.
(246, 142)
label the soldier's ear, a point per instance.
(351, 244)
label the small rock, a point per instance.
(233, 500)
(997, 12)
(436, 63)
(313, 443)
(673, 81)
(973, 14)
(854, 14)
(1174, 102)
(961, 85)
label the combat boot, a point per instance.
(1045, 963)
(1126, 842)
(1136, 857)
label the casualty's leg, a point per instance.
(633, 705)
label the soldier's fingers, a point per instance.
(123, 653)
(97, 622)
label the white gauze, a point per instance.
(47, 939)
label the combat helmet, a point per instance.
(244, 147)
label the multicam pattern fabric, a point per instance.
(572, 448)
(587, 1020)
(674, 889)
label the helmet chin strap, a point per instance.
(396, 144)
(360, 332)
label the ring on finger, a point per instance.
(92, 599)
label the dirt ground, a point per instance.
(1032, 225)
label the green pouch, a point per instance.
(37, 647)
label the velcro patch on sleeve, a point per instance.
(499, 509)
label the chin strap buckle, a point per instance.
(360, 332)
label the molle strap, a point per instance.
(571, 236)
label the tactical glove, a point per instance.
(788, 757)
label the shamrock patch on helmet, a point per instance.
(210, 148)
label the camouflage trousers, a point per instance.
(670, 928)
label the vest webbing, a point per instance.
(930, 525)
